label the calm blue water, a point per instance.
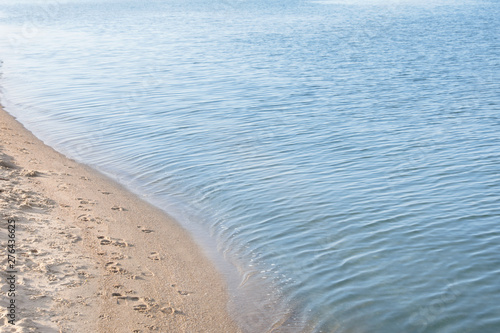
(340, 160)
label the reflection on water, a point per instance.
(343, 158)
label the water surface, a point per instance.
(341, 159)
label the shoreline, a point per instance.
(91, 256)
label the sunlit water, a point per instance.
(340, 159)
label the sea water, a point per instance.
(340, 160)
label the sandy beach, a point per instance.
(91, 256)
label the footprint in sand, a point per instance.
(149, 305)
(128, 298)
(105, 193)
(31, 173)
(73, 238)
(114, 268)
(113, 241)
(170, 310)
(146, 304)
(84, 275)
(105, 241)
(144, 230)
(141, 307)
(86, 201)
(84, 217)
(154, 256)
(119, 208)
(120, 243)
(117, 256)
(63, 186)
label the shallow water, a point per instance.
(342, 157)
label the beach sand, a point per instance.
(93, 257)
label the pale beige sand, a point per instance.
(93, 257)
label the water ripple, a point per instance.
(343, 157)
